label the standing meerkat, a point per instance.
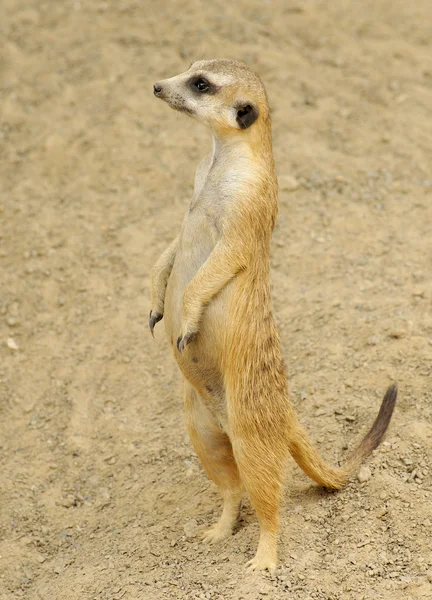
(212, 287)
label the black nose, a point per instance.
(157, 89)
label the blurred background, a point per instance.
(101, 494)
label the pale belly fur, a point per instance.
(200, 360)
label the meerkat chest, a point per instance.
(224, 183)
(218, 185)
(200, 232)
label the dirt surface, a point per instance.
(102, 496)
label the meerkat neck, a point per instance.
(225, 144)
(255, 144)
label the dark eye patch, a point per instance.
(201, 85)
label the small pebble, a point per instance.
(396, 334)
(11, 344)
(68, 501)
(340, 179)
(364, 474)
(190, 528)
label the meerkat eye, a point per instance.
(202, 84)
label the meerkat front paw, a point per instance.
(184, 340)
(154, 318)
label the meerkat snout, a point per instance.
(157, 89)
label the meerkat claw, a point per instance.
(154, 318)
(183, 341)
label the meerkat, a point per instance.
(212, 287)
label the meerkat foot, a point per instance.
(154, 318)
(224, 527)
(261, 562)
(266, 555)
(217, 532)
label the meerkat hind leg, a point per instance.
(214, 450)
(266, 554)
(262, 473)
(223, 528)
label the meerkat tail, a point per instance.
(316, 468)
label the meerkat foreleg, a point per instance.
(159, 279)
(221, 266)
(214, 450)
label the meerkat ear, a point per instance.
(246, 115)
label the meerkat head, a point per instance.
(224, 94)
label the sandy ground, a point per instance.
(102, 496)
